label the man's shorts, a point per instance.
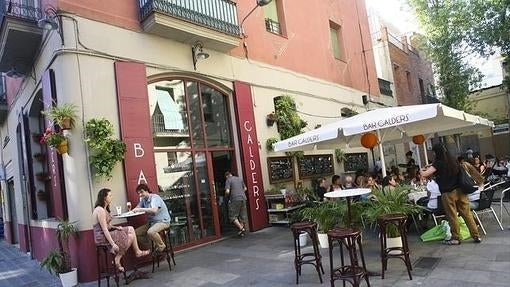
(237, 210)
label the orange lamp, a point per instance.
(419, 139)
(369, 140)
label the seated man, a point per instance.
(158, 217)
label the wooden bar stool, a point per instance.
(306, 258)
(167, 253)
(399, 221)
(353, 273)
(108, 269)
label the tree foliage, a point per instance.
(448, 24)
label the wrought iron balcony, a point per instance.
(19, 36)
(214, 22)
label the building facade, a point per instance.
(187, 86)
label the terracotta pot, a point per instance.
(62, 148)
(65, 124)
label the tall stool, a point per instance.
(108, 269)
(398, 220)
(353, 273)
(306, 258)
(167, 253)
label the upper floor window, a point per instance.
(272, 17)
(335, 32)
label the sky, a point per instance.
(402, 16)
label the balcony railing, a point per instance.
(20, 9)
(219, 15)
(273, 27)
(158, 127)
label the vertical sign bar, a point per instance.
(133, 99)
(250, 155)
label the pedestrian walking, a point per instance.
(235, 188)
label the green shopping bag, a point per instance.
(435, 233)
(464, 231)
(439, 232)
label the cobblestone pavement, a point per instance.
(265, 258)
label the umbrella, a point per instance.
(390, 124)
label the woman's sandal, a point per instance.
(451, 242)
(119, 267)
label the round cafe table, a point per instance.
(348, 194)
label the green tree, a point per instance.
(447, 24)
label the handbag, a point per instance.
(466, 183)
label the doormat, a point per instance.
(427, 262)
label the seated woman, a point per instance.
(336, 183)
(389, 183)
(119, 238)
(321, 188)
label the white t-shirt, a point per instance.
(433, 188)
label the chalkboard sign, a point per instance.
(315, 165)
(280, 169)
(356, 161)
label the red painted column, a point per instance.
(250, 156)
(133, 99)
(57, 198)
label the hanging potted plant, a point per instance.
(55, 140)
(64, 115)
(339, 155)
(270, 142)
(59, 261)
(270, 119)
(106, 151)
(327, 214)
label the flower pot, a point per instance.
(70, 278)
(323, 240)
(65, 124)
(269, 122)
(303, 238)
(62, 148)
(394, 242)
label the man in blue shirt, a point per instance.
(158, 217)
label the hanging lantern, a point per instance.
(419, 139)
(369, 140)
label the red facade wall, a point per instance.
(305, 47)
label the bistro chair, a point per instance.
(167, 253)
(106, 268)
(484, 206)
(300, 258)
(399, 220)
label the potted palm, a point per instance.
(327, 215)
(59, 261)
(64, 115)
(388, 202)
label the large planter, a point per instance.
(323, 240)
(63, 148)
(69, 279)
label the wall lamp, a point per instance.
(260, 3)
(198, 53)
(51, 21)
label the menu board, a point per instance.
(316, 165)
(356, 161)
(280, 169)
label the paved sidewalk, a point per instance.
(17, 269)
(265, 258)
